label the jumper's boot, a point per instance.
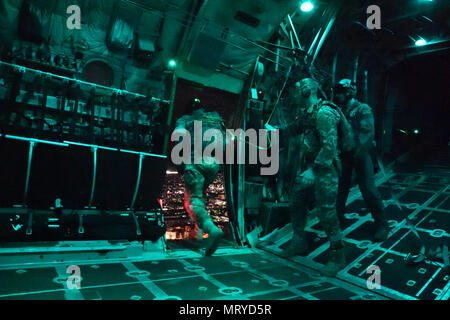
(336, 263)
(215, 234)
(298, 246)
(195, 206)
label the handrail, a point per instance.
(49, 74)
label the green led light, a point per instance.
(416, 131)
(306, 6)
(172, 63)
(421, 42)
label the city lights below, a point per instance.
(421, 42)
(306, 6)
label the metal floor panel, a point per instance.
(422, 198)
(248, 274)
(259, 273)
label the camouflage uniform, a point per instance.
(282, 119)
(361, 119)
(198, 177)
(319, 152)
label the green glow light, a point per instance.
(306, 6)
(172, 63)
(416, 131)
(421, 42)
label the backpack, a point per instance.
(346, 137)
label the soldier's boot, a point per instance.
(336, 263)
(382, 227)
(298, 246)
(382, 231)
(375, 205)
(215, 234)
(330, 222)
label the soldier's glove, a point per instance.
(307, 179)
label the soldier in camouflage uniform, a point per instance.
(361, 119)
(316, 181)
(199, 174)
